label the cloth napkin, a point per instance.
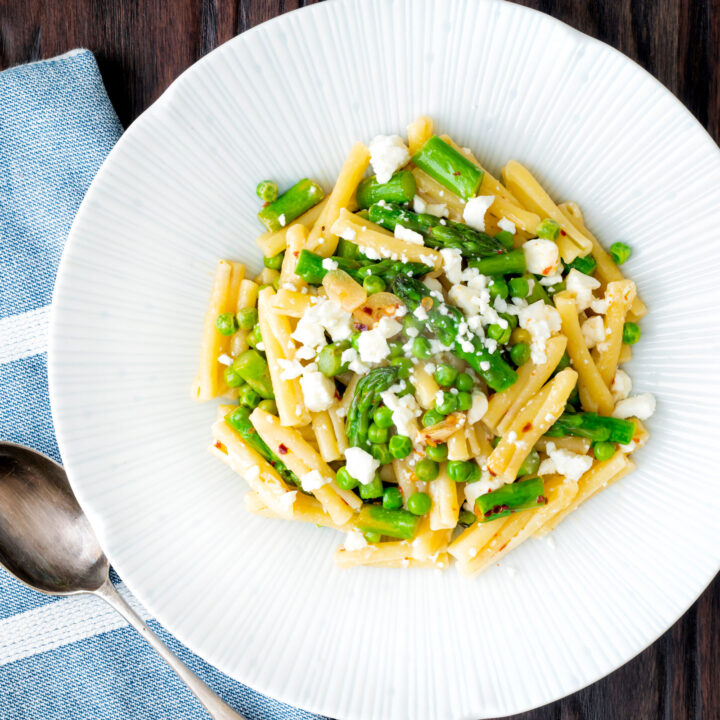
(68, 658)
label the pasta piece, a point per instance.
(338, 423)
(406, 478)
(606, 271)
(445, 507)
(343, 290)
(572, 241)
(595, 395)
(425, 386)
(458, 445)
(578, 445)
(438, 561)
(325, 433)
(419, 131)
(273, 243)
(619, 295)
(395, 551)
(368, 237)
(297, 238)
(292, 303)
(625, 354)
(469, 543)
(434, 192)
(323, 238)
(247, 294)
(305, 509)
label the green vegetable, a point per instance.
(520, 495)
(267, 190)
(426, 469)
(373, 284)
(548, 229)
(232, 377)
(475, 473)
(372, 537)
(464, 401)
(603, 450)
(403, 365)
(584, 265)
(268, 406)
(592, 426)
(556, 288)
(530, 464)
(381, 452)
(464, 382)
(501, 334)
(620, 252)
(520, 353)
(400, 188)
(253, 369)
(509, 263)
(254, 337)
(431, 417)
(347, 249)
(445, 375)
(449, 167)
(344, 480)
(247, 318)
(383, 417)
(445, 321)
(459, 470)
(365, 401)
(400, 446)
(275, 262)
(419, 503)
(226, 323)
(537, 292)
(563, 363)
(374, 489)
(248, 397)
(239, 420)
(467, 518)
(506, 238)
(438, 453)
(519, 287)
(377, 434)
(290, 205)
(631, 333)
(421, 348)
(390, 522)
(447, 405)
(392, 498)
(329, 359)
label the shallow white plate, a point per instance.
(261, 599)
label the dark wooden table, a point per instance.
(142, 45)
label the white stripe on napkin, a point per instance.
(24, 335)
(60, 623)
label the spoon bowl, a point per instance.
(47, 542)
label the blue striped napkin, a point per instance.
(67, 658)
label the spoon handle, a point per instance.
(218, 709)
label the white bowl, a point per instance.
(261, 599)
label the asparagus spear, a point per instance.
(399, 189)
(393, 523)
(252, 367)
(445, 321)
(592, 426)
(366, 399)
(585, 264)
(450, 168)
(239, 420)
(508, 499)
(290, 205)
(508, 263)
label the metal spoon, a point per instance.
(47, 543)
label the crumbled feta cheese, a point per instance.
(568, 464)
(348, 234)
(324, 315)
(541, 321)
(640, 406)
(404, 411)
(318, 391)
(478, 408)
(419, 205)
(427, 260)
(312, 481)
(305, 352)
(420, 313)
(412, 332)
(621, 385)
(351, 356)
(290, 369)
(281, 220)
(438, 210)
(599, 306)
(452, 264)
(388, 153)
(593, 331)
(581, 286)
(475, 209)
(408, 235)
(373, 346)
(329, 264)
(506, 225)
(260, 346)
(355, 540)
(225, 359)
(361, 465)
(551, 280)
(287, 500)
(388, 327)
(542, 257)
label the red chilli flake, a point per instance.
(496, 510)
(541, 500)
(296, 253)
(367, 310)
(547, 270)
(457, 172)
(562, 232)
(282, 449)
(218, 445)
(360, 326)
(527, 427)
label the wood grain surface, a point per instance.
(142, 45)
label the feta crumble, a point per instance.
(541, 321)
(570, 465)
(408, 235)
(475, 209)
(313, 480)
(542, 257)
(621, 385)
(318, 391)
(640, 406)
(507, 225)
(593, 331)
(581, 286)
(329, 264)
(388, 153)
(361, 465)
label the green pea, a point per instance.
(464, 382)
(233, 377)
(377, 434)
(374, 489)
(247, 318)
(419, 503)
(373, 284)
(464, 401)
(467, 518)
(392, 498)
(530, 464)
(410, 321)
(512, 320)
(404, 366)
(426, 469)
(226, 323)
(445, 375)
(275, 262)
(396, 350)
(400, 446)
(631, 333)
(372, 537)
(438, 453)
(267, 190)
(498, 288)
(381, 452)
(620, 252)
(459, 470)
(519, 287)
(431, 417)
(564, 362)
(447, 405)
(520, 353)
(344, 480)
(475, 473)
(421, 348)
(506, 238)
(501, 334)
(495, 441)
(254, 337)
(383, 417)
(548, 229)
(584, 265)
(268, 406)
(248, 397)
(603, 450)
